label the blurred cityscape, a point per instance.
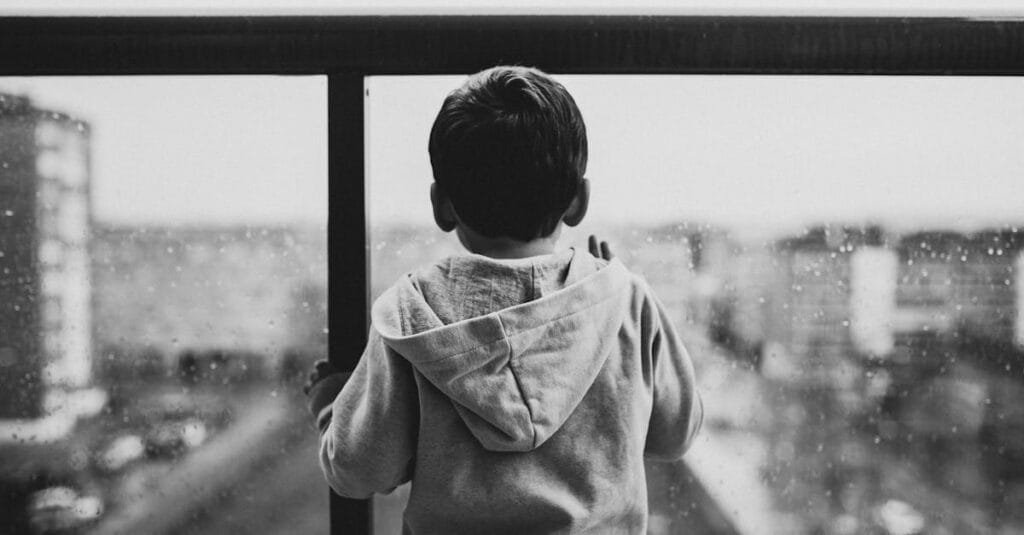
(876, 375)
(857, 379)
(149, 376)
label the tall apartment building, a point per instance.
(167, 291)
(828, 303)
(927, 285)
(949, 283)
(989, 285)
(45, 302)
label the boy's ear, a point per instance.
(578, 207)
(444, 214)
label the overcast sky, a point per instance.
(177, 149)
(767, 152)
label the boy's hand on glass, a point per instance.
(321, 369)
(324, 384)
(599, 248)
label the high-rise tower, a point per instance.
(45, 300)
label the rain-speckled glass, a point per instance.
(162, 292)
(841, 256)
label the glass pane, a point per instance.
(163, 247)
(841, 256)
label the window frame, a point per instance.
(349, 48)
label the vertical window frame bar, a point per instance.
(348, 287)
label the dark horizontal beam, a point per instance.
(460, 44)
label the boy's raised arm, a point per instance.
(369, 443)
(677, 411)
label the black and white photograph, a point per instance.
(386, 268)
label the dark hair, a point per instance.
(509, 148)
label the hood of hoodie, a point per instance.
(516, 374)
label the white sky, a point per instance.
(766, 152)
(199, 149)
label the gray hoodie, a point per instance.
(518, 396)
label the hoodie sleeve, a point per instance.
(369, 445)
(677, 411)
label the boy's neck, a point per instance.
(506, 248)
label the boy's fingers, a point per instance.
(321, 369)
(599, 248)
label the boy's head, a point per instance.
(509, 150)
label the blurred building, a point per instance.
(45, 289)
(957, 365)
(927, 290)
(951, 285)
(813, 305)
(731, 286)
(164, 292)
(663, 255)
(884, 351)
(839, 290)
(988, 288)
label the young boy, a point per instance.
(519, 387)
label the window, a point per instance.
(791, 226)
(165, 268)
(765, 320)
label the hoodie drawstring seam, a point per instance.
(505, 335)
(519, 386)
(533, 283)
(600, 295)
